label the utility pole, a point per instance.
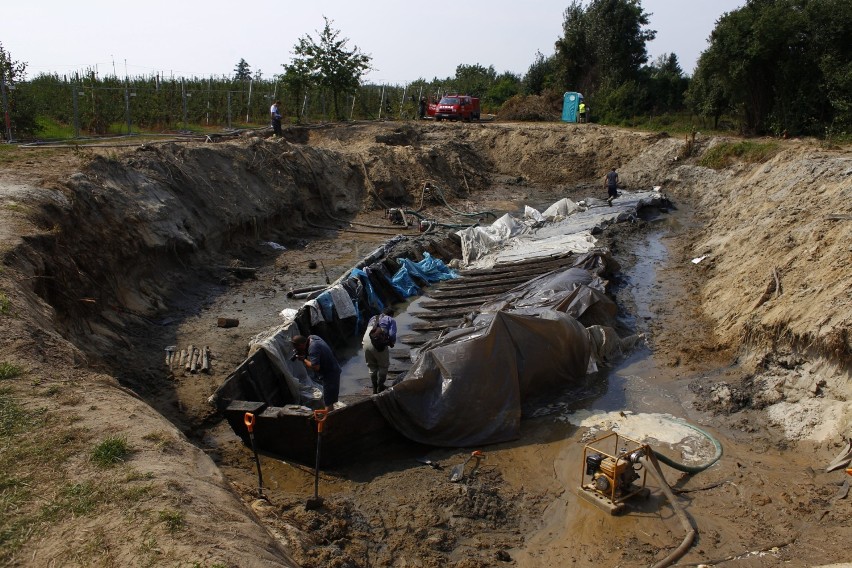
(74, 95)
(183, 99)
(248, 108)
(229, 109)
(5, 105)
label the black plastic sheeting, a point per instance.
(467, 387)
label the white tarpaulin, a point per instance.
(564, 227)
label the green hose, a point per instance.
(692, 468)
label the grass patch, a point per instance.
(32, 449)
(172, 519)
(5, 304)
(75, 499)
(162, 440)
(724, 154)
(52, 129)
(12, 417)
(111, 451)
(9, 370)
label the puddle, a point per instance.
(632, 385)
(354, 375)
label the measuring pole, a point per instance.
(5, 106)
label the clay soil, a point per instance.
(111, 254)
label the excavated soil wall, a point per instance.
(99, 258)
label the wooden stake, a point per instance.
(190, 352)
(205, 360)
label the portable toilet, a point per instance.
(571, 106)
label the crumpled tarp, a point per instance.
(477, 241)
(276, 344)
(468, 391)
(466, 388)
(564, 226)
(429, 270)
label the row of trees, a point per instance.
(774, 66)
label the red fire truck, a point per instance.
(455, 107)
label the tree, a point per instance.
(242, 72)
(603, 45)
(505, 86)
(540, 74)
(19, 106)
(474, 79)
(666, 83)
(780, 65)
(328, 64)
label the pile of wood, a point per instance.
(190, 360)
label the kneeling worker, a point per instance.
(319, 358)
(378, 339)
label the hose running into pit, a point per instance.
(431, 185)
(650, 461)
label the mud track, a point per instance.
(109, 256)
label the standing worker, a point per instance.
(611, 185)
(318, 357)
(582, 110)
(421, 108)
(378, 339)
(275, 115)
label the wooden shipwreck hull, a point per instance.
(284, 423)
(285, 428)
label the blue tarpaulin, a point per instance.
(429, 270)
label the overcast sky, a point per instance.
(406, 40)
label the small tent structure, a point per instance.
(571, 106)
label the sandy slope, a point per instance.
(97, 263)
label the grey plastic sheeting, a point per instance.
(466, 388)
(469, 391)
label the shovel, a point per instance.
(316, 501)
(457, 473)
(249, 422)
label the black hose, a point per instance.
(692, 468)
(650, 461)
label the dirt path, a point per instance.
(103, 269)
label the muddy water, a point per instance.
(354, 376)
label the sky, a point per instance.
(406, 40)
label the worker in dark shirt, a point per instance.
(319, 358)
(611, 184)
